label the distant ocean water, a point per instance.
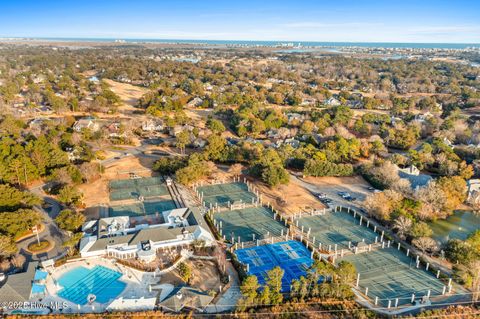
(278, 43)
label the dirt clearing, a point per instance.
(289, 199)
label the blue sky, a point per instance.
(454, 21)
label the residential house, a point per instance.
(123, 79)
(420, 118)
(37, 123)
(39, 79)
(295, 117)
(292, 142)
(199, 143)
(195, 102)
(355, 104)
(151, 126)
(94, 79)
(414, 176)
(175, 130)
(86, 123)
(473, 192)
(74, 153)
(308, 101)
(208, 87)
(281, 133)
(447, 142)
(332, 101)
(114, 129)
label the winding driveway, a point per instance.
(51, 232)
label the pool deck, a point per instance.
(137, 285)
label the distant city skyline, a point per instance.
(340, 21)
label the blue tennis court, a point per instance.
(292, 256)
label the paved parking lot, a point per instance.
(331, 186)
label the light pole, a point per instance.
(35, 231)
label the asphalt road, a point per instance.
(51, 232)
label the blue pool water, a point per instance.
(100, 281)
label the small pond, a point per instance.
(459, 226)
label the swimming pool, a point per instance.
(80, 283)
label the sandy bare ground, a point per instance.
(289, 199)
(200, 117)
(129, 94)
(205, 275)
(96, 193)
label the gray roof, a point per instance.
(416, 180)
(159, 234)
(18, 287)
(155, 234)
(103, 242)
(183, 296)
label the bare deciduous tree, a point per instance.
(403, 225)
(425, 244)
(236, 169)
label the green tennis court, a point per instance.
(389, 274)
(337, 228)
(134, 188)
(247, 222)
(225, 193)
(141, 208)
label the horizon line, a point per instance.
(228, 40)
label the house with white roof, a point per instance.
(86, 123)
(473, 190)
(195, 102)
(332, 102)
(117, 237)
(151, 126)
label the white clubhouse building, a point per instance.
(115, 237)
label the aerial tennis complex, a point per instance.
(388, 276)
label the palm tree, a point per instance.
(403, 225)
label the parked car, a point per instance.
(345, 195)
(321, 195)
(326, 200)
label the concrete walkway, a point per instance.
(229, 299)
